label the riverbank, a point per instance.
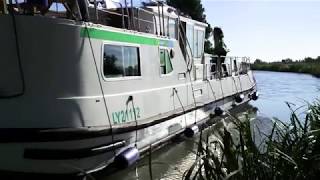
(296, 67)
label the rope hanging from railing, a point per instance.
(100, 85)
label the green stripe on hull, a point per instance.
(122, 37)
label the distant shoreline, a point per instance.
(297, 67)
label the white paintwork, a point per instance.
(63, 91)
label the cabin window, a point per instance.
(190, 38)
(172, 28)
(195, 38)
(198, 43)
(165, 62)
(121, 61)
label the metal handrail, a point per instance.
(122, 13)
(112, 12)
(143, 20)
(187, 44)
(153, 15)
(134, 18)
(241, 69)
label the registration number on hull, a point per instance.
(125, 116)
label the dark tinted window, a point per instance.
(121, 61)
(165, 62)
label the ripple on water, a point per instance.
(176, 171)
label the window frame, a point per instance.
(187, 34)
(170, 20)
(196, 31)
(124, 78)
(168, 50)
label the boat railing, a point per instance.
(132, 18)
(225, 66)
(131, 21)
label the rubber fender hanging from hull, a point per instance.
(127, 158)
(239, 98)
(191, 131)
(218, 111)
(254, 96)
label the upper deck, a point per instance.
(155, 19)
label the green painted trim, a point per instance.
(122, 37)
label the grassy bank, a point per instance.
(308, 65)
(240, 150)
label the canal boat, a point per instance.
(95, 83)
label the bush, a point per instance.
(298, 67)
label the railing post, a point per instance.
(155, 24)
(178, 28)
(132, 16)
(138, 19)
(95, 10)
(164, 31)
(160, 29)
(128, 14)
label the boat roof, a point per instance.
(171, 12)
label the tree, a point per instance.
(308, 59)
(192, 8)
(195, 10)
(258, 61)
(288, 60)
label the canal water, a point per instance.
(171, 161)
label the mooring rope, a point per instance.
(101, 86)
(130, 99)
(222, 91)
(235, 84)
(181, 104)
(17, 42)
(213, 93)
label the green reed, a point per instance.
(238, 149)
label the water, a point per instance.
(276, 88)
(170, 162)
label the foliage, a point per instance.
(307, 65)
(192, 8)
(287, 151)
(258, 61)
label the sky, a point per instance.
(269, 30)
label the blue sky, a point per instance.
(270, 30)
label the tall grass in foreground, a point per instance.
(240, 150)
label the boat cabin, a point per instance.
(154, 18)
